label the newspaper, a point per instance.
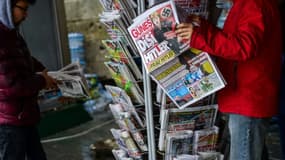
(205, 140)
(119, 53)
(212, 155)
(178, 143)
(194, 118)
(126, 143)
(201, 156)
(153, 33)
(116, 24)
(120, 96)
(71, 81)
(189, 78)
(186, 157)
(185, 75)
(124, 79)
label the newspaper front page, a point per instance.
(187, 79)
(153, 33)
(184, 75)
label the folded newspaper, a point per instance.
(71, 81)
(192, 118)
(185, 75)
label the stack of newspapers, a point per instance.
(189, 132)
(186, 75)
(130, 140)
(116, 17)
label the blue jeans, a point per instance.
(247, 137)
(20, 143)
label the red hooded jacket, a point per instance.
(249, 56)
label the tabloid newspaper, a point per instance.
(193, 118)
(153, 33)
(189, 78)
(71, 81)
(119, 53)
(185, 75)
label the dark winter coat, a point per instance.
(19, 85)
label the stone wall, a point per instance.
(82, 16)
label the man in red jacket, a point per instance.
(19, 87)
(248, 48)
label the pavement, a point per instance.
(93, 141)
(88, 141)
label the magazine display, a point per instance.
(186, 76)
(71, 81)
(126, 143)
(119, 53)
(126, 121)
(125, 80)
(120, 96)
(116, 25)
(127, 7)
(194, 118)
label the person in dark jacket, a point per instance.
(248, 51)
(21, 78)
(281, 116)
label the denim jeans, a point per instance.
(247, 137)
(20, 143)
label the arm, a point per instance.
(39, 67)
(240, 42)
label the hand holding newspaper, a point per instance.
(71, 81)
(185, 75)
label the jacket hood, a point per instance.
(6, 13)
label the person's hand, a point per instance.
(184, 31)
(194, 19)
(50, 82)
